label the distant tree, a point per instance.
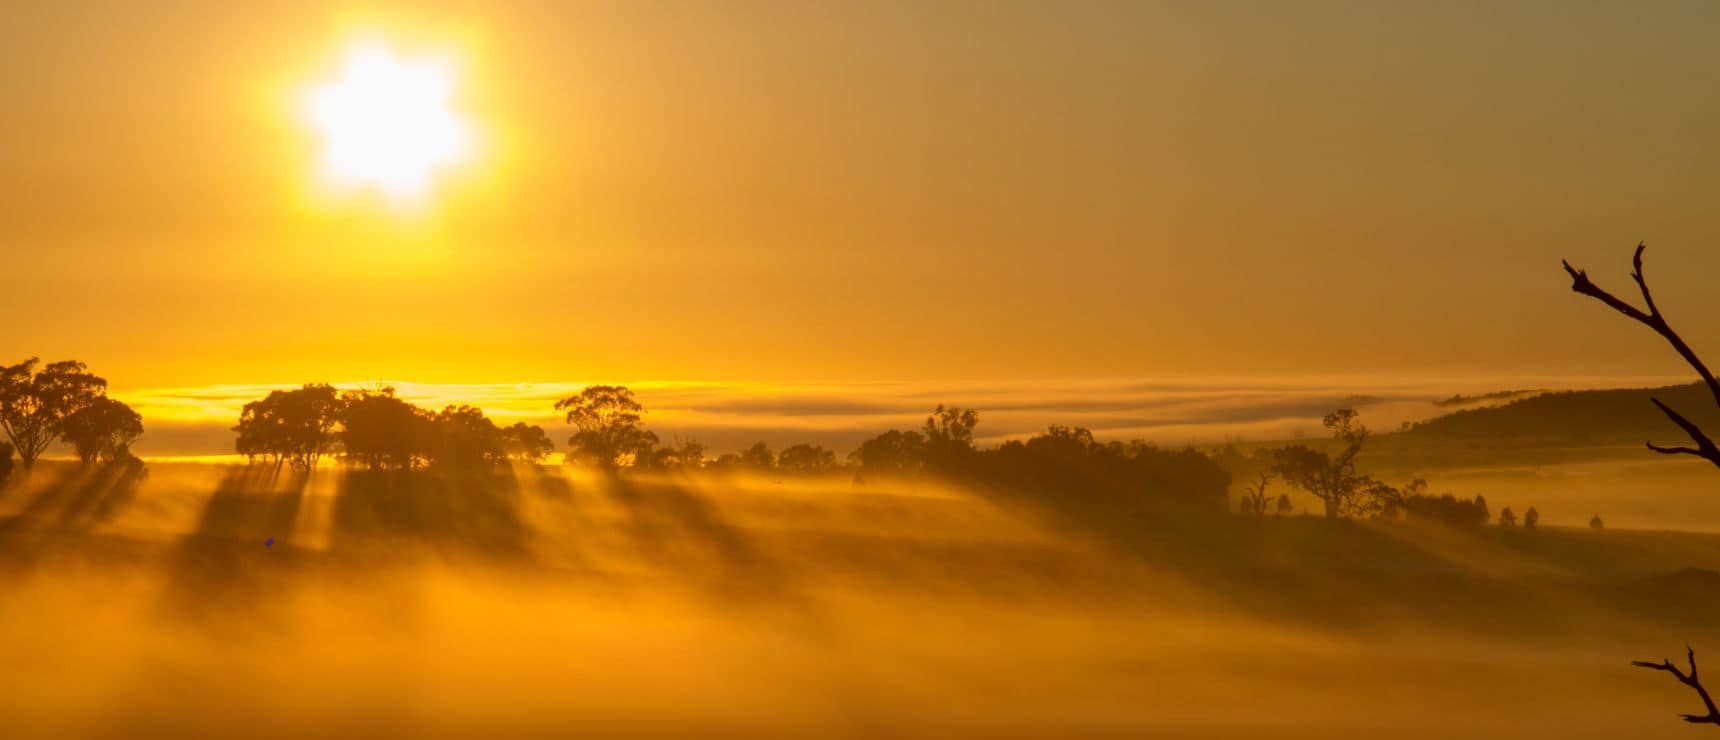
(1447, 509)
(1507, 518)
(1705, 447)
(687, 455)
(1332, 478)
(1254, 497)
(758, 457)
(102, 431)
(34, 404)
(1067, 468)
(381, 431)
(949, 431)
(1397, 501)
(1284, 505)
(291, 426)
(1596, 523)
(1531, 518)
(690, 455)
(608, 422)
(806, 458)
(893, 452)
(5, 460)
(526, 443)
(727, 462)
(1380, 499)
(1062, 441)
(464, 438)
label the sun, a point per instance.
(386, 122)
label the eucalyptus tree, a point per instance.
(608, 430)
(35, 402)
(102, 431)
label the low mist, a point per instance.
(192, 600)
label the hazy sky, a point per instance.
(847, 192)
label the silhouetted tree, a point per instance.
(1380, 499)
(608, 422)
(727, 462)
(1067, 469)
(1653, 319)
(5, 460)
(102, 431)
(1284, 505)
(893, 452)
(381, 431)
(1507, 518)
(1447, 509)
(758, 457)
(1531, 518)
(948, 432)
(291, 426)
(1254, 497)
(465, 438)
(35, 404)
(526, 443)
(1333, 478)
(1059, 442)
(806, 458)
(1397, 503)
(688, 455)
(1704, 445)
(1596, 523)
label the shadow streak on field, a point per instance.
(673, 526)
(455, 514)
(225, 561)
(1358, 575)
(75, 500)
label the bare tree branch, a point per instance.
(1653, 319)
(1674, 450)
(1690, 679)
(1705, 447)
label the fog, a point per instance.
(550, 603)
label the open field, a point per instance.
(543, 603)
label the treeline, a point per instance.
(1331, 475)
(44, 404)
(375, 429)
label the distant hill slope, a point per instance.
(1579, 417)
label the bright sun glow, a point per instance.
(387, 123)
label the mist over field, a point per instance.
(871, 369)
(535, 601)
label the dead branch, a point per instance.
(1690, 679)
(1653, 319)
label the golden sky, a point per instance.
(850, 192)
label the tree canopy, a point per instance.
(296, 426)
(102, 431)
(609, 433)
(35, 403)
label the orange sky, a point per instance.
(849, 192)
